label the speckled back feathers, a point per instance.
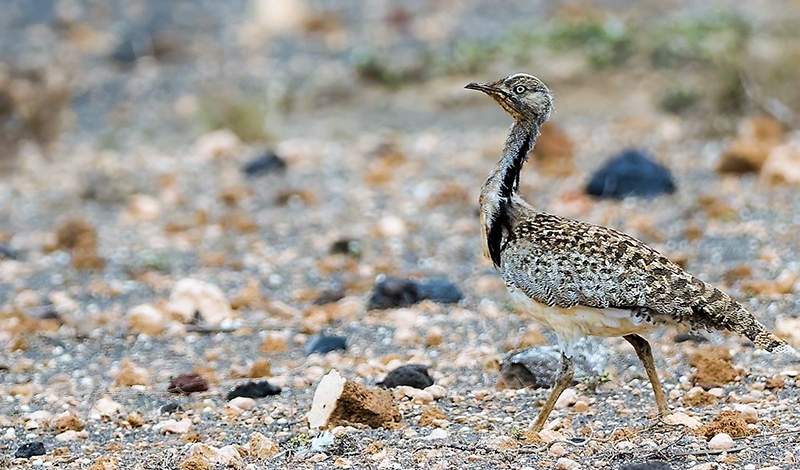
(566, 263)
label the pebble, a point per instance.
(191, 297)
(146, 319)
(682, 418)
(105, 407)
(70, 435)
(218, 143)
(557, 450)
(567, 399)
(187, 383)
(323, 344)
(265, 163)
(174, 427)
(413, 393)
(437, 433)
(749, 413)
(721, 441)
(29, 449)
(10, 435)
(564, 463)
(437, 391)
(244, 403)
(392, 292)
(631, 173)
(171, 407)
(262, 447)
(254, 390)
(412, 375)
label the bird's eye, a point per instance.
(519, 89)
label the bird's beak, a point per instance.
(484, 87)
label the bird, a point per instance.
(580, 279)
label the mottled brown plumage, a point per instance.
(580, 279)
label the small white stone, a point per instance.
(557, 450)
(682, 418)
(568, 398)
(721, 441)
(749, 413)
(437, 433)
(717, 392)
(173, 426)
(749, 467)
(243, 403)
(567, 464)
(105, 407)
(437, 391)
(71, 435)
(10, 434)
(625, 446)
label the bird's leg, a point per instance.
(563, 379)
(645, 353)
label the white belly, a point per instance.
(571, 324)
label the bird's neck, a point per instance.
(502, 184)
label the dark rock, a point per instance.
(391, 292)
(265, 163)
(323, 344)
(187, 383)
(29, 449)
(631, 173)
(347, 246)
(693, 337)
(439, 290)
(413, 375)
(253, 390)
(649, 465)
(171, 407)
(7, 252)
(329, 296)
(537, 367)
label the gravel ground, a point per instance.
(395, 173)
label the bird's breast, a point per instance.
(573, 323)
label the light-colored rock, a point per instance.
(71, 435)
(228, 455)
(172, 426)
(437, 391)
(243, 403)
(10, 435)
(191, 295)
(548, 435)
(567, 464)
(421, 396)
(344, 402)
(749, 413)
(219, 143)
(557, 450)
(143, 207)
(105, 408)
(437, 433)
(262, 447)
(328, 391)
(146, 319)
(782, 165)
(789, 329)
(721, 441)
(683, 419)
(567, 399)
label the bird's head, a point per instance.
(524, 96)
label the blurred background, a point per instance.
(119, 73)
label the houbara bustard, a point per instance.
(579, 279)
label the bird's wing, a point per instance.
(566, 263)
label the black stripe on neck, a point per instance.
(511, 178)
(509, 186)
